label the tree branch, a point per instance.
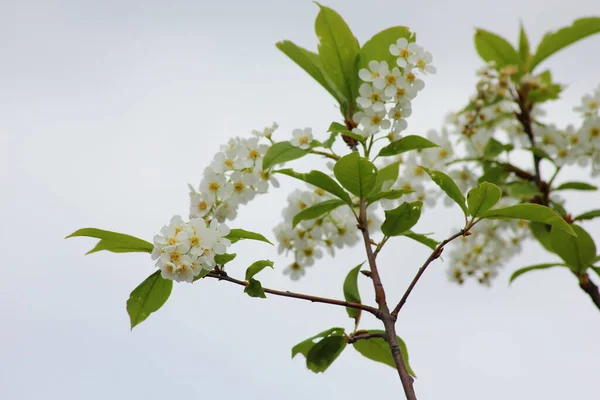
(434, 255)
(314, 299)
(384, 312)
(590, 288)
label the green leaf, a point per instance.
(388, 194)
(309, 62)
(492, 47)
(530, 212)
(304, 346)
(577, 251)
(493, 173)
(351, 293)
(148, 297)
(548, 90)
(222, 259)
(377, 349)
(114, 241)
(356, 174)
(329, 142)
(552, 42)
(401, 219)
(524, 50)
(236, 235)
(541, 232)
(317, 210)
(596, 270)
(535, 267)
(324, 353)
(256, 267)
(494, 148)
(449, 187)
(378, 47)
(282, 152)
(389, 173)
(482, 198)
(338, 49)
(576, 186)
(255, 289)
(423, 239)
(523, 190)
(320, 180)
(588, 215)
(407, 143)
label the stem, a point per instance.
(315, 299)
(434, 255)
(590, 288)
(324, 153)
(384, 312)
(356, 338)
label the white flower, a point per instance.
(295, 271)
(398, 115)
(589, 133)
(374, 71)
(371, 98)
(422, 60)
(302, 138)
(412, 79)
(388, 81)
(403, 91)
(373, 120)
(267, 131)
(590, 104)
(403, 50)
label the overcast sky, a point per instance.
(108, 108)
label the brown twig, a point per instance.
(434, 255)
(384, 312)
(590, 288)
(363, 336)
(324, 153)
(301, 296)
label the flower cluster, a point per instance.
(387, 91)
(184, 249)
(309, 239)
(234, 177)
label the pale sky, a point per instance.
(109, 108)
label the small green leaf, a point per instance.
(338, 49)
(222, 259)
(482, 198)
(555, 41)
(351, 293)
(535, 267)
(449, 187)
(495, 148)
(282, 152)
(530, 212)
(356, 174)
(588, 215)
(596, 270)
(423, 239)
(256, 267)
(329, 142)
(389, 173)
(324, 353)
(148, 297)
(377, 349)
(523, 190)
(401, 219)
(389, 195)
(576, 186)
(378, 47)
(524, 50)
(309, 62)
(320, 180)
(304, 346)
(316, 211)
(114, 241)
(577, 251)
(255, 289)
(541, 232)
(236, 235)
(492, 47)
(407, 143)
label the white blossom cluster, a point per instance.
(234, 177)
(310, 239)
(184, 249)
(387, 90)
